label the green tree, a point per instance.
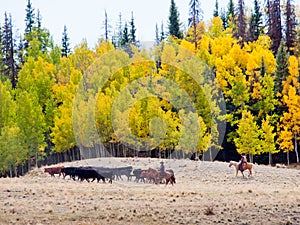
(248, 133)
(31, 122)
(174, 22)
(29, 22)
(8, 40)
(255, 24)
(230, 11)
(216, 10)
(282, 69)
(132, 35)
(12, 152)
(68, 78)
(268, 144)
(65, 50)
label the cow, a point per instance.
(87, 173)
(105, 172)
(53, 170)
(120, 171)
(138, 175)
(69, 171)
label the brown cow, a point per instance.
(53, 170)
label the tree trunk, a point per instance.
(124, 151)
(296, 148)
(10, 172)
(288, 157)
(270, 158)
(28, 161)
(251, 158)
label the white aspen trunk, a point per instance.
(270, 158)
(296, 148)
(124, 151)
(36, 159)
(288, 157)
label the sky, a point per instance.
(85, 19)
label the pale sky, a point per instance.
(85, 19)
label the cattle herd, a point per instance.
(91, 173)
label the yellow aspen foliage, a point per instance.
(292, 79)
(268, 136)
(258, 50)
(200, 31)
(289, 126)
(222, 45)
(82, 57)
(247, 140)
(285, 140)
(215, 28)
(103, 47)
(185, 51)
(62, 133)
(239, 56)
(204, 141)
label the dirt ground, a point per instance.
(205, 193)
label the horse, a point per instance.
(246, 166)
(151, 175)
(169, 177)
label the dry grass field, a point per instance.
(205, 193)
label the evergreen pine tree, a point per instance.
(9, 51)
(157, 40)
(174, 24)
(39, 32)
(263, 67)
(39, 20)
(119, 32)
(282, 68)
(241, 23)
(274, 22)
(255, 25)
(132, 36)
(29, 18)
(65, 50)
(125, 36)
(230, 12)
(2, 64)
(107, 27)
(162, 32)
(224, 18)
(290, 26)
(216, 11)
(195, 13)
(20, 51)
(29, 22)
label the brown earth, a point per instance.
(205, 193)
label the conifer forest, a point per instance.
(228, 85)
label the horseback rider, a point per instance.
(242, 162)
(161, 170)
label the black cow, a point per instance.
(69, 171)
(87, 173)
(105, 172)
(137, 173)
(119, 172)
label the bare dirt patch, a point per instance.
(205, 193)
